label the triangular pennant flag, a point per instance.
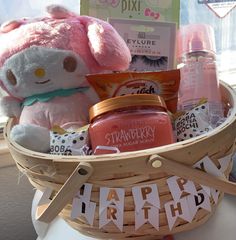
(148, 214)
(225, 162)
(146, 194)
(206, 189)
(81, 204)
(111, 207)
(200, 200)
(215, 195)
(221, 9)
(86, 209)
(207, 165)
(85, 192)
(177, 209)
(179, 185)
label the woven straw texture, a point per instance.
(131, 169)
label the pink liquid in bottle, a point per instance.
(199, 78)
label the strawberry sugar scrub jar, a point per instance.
(129, 123)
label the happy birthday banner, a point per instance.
(147, 201)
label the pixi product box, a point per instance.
(156, 10)
(151, 43)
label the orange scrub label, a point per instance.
(164, 83)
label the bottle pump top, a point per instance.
(195, 37)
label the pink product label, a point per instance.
(131, 136)
(138, 87)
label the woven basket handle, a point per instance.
(47, 212)
(195, 175)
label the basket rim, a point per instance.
(125, 155)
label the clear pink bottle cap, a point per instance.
(195, 37)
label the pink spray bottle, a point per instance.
(199, 91)
(199, 79)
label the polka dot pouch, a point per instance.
(192, 123)
(63, 142)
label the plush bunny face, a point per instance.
(42, 55)
(37, 70)
(43, 63)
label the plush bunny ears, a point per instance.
(10, 25)
(59, 12)
(106, 45)
(55, 11)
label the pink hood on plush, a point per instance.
(95, 44)
(96, 41)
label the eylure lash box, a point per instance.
(151, 43)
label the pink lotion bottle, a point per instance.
(196, 55)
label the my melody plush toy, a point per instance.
(43, 63)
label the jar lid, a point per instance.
(130, 100)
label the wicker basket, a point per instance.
(65, 175)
